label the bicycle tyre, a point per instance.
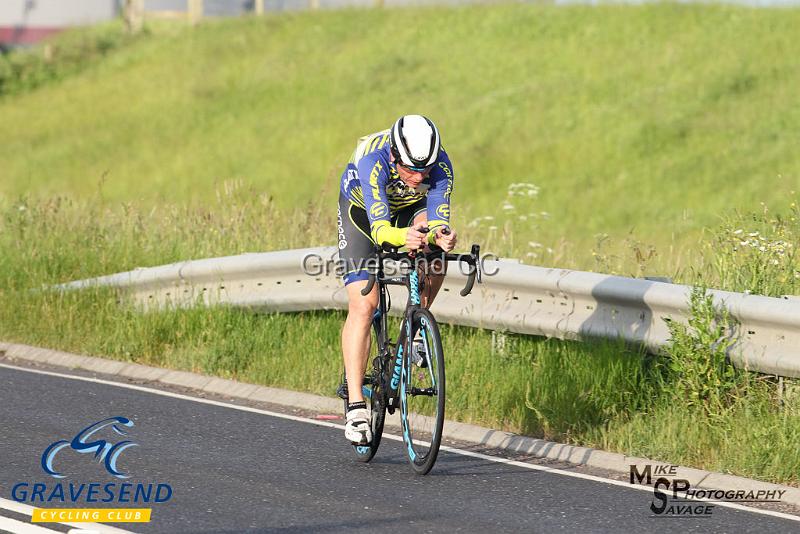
(422, 414)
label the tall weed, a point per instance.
(697, 354)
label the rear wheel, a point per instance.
(377, 411)
(373, 395)
(422, 392)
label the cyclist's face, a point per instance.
(411, 177)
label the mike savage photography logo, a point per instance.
(675, 497)
(98, 444)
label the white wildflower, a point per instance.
(753, 234)
(507, 206)
(523, 189)
(737, 232)
(534, 244)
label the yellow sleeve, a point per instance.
(384, 232)
(432, 226)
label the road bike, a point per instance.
(408, 374)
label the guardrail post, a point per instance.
(313, 4)
(133, 14)
(258, 7)
(195, 8)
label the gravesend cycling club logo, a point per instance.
(103, 443)
(103, 450)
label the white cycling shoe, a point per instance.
(419, 356)
(357, 428)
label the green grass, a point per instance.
(636, 121)
(67, 54)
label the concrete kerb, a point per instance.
(233, 388)
(453, 430)
(185, 379)
(142, 372)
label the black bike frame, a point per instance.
(412, 283)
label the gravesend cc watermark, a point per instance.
(314, 264)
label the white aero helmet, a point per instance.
(414, 142)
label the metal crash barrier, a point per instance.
(512, 298)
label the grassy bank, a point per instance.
(686, 406)
(637, 122)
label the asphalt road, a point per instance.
(233, 470)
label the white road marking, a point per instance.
(26, 509)
(453, 450)
(19, 527)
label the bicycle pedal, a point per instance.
(419, 355)
(341, 392)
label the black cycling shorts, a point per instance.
(356, 247)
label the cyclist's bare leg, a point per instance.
(356, 336)
(436, 271)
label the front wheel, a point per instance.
(422, 390)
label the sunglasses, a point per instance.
(423, 170)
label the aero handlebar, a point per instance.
(389, 252)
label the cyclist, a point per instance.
(397, 183)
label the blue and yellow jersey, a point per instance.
(371, 182)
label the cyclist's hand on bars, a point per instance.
(446, 242)
(415, 239)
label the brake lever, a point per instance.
(475, 252)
